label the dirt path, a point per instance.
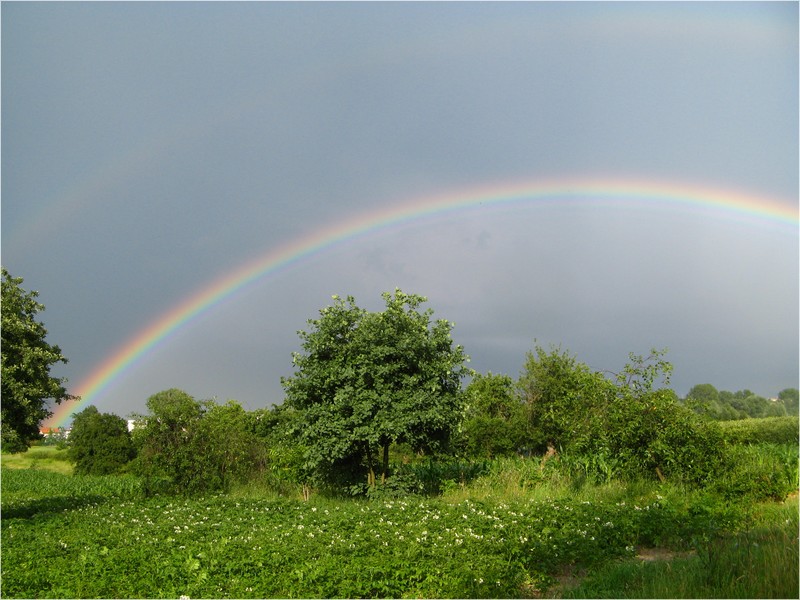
(571, 577)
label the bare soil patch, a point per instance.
(571, 576)
(653, 554)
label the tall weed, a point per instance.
(759, 472)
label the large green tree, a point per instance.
(99, 443)
(366, 380)
(26, 361)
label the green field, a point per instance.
(81, 537)
(40, 457)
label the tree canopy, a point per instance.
(99, 443)
(189, 446)
(496, 422)
(366, 380)
(26, 361)
(628, 425)
(723, 405)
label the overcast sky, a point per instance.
(150, 148)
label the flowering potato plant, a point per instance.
(222, 547)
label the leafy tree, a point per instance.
(704, 399)
(495, 423)
(756, 406)
(189, 446)
(225, 449)
(791, 400)
(368, 380)
(565, 400)
(163, 439)
(704, 392)
(26, 361)
(629, 422)
(99, 443)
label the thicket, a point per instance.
(595, 428)
(772, 430)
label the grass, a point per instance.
(49, 458)
(760, 562)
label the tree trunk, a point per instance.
(385, 463)
(371, 473)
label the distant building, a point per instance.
(54, 432)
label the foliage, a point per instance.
(625, 427)
(188, 447)
(225, 450)
(222, 547)
(564, 398)
(724, 406)
(790, 397)
(758, 472)
(26, 362)
(655, 434)
(430, 477)
(99, 443)
(284, 469)
(368, 380)
(773, 430)
(163, 439)
(496, 422)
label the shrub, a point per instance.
(190, 447)
(655, 436)
(622, 427)
(99, 443)
(772, 430)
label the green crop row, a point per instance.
(223, 547)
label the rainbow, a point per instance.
(749, 207)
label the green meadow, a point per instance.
(517, 530)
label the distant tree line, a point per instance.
(722, 405)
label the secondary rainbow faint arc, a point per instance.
(750, 206)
